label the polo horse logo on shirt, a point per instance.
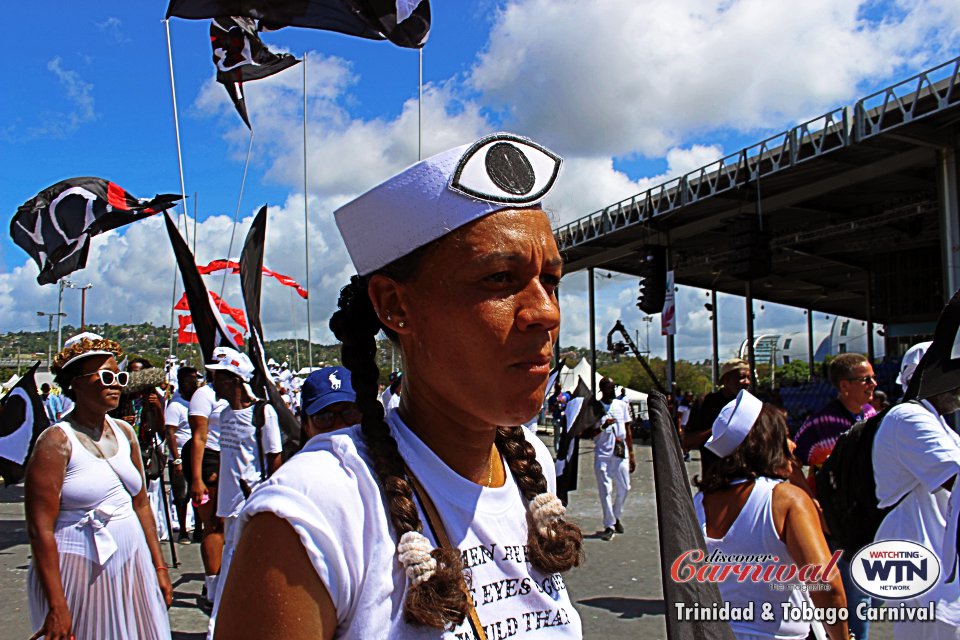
(334, 381)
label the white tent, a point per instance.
(569, 377)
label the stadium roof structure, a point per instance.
(858, 209)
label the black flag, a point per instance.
(939, 369)
(240, 56)
(679, 530)
(207, 322)
(55, 226)
(22, 419)
(406, 23)
(582, 413)
(251, 274)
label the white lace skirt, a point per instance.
(119, 600)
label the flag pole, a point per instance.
(420, 106)
(293, 316)
(183, 189)
(306, 216)
(236, 214)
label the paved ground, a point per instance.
(617, 590)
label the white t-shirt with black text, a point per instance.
(176, 415)
(603, 443)
(330, 495)
(239, 456)
(204, 403)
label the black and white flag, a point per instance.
(582, 413)
(251, 279)
(405, 23)
(679, 531)
(240, 56)
(208, 324)
(939, 369)
(22, 419)
(55, 226)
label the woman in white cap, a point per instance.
(746, 508)
(97, 571)
(441, 516)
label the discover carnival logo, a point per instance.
(895, 569)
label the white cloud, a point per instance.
(132, 274)
(58, 124)
(628, 76)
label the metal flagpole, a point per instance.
(236, 214)
(183, 189)
(420, 107)
(306, 216)
(293, 316)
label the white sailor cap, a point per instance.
(433, 197)
(733, 424)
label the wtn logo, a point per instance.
(895, 569)
(902, 570)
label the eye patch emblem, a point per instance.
(506, 169)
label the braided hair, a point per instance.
(439, 601)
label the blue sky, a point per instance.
(630, 92)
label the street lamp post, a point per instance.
(83, 299)
(50, 317)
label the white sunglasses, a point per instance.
(109, 378)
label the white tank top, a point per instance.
(91, 482)
(754, 533)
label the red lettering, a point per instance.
(680, 566)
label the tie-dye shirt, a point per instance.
(819, 433)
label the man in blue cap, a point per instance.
(328, 402)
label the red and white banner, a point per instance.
(668, 318)
(186, 334)
(234, 267)
(223, 307)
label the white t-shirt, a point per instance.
(684, 412)
(330, 495)
(176, 415)
(204, 403)
(239, 457)
(603, 443)
(914, 453)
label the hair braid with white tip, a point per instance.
(553, 544)
(435, 597)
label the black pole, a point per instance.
(750, 355)
(716, 341)
(810, 341)
(166, 513)
(593, 336)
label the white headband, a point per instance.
(433, 197)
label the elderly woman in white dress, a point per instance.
(97, 571)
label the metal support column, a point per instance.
(716, 337)
(810, 353)
(751, 360)
(949, 197)
(593, 336)
(870, 350)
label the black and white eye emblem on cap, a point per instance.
(506, 168)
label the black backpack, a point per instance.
(846, 489)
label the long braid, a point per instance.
(553, 548)
(438, 602)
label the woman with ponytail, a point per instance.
(439, 520)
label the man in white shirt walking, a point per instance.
(177, 427)
(613, 445)
(250, 448)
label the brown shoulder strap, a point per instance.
(436, 526)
